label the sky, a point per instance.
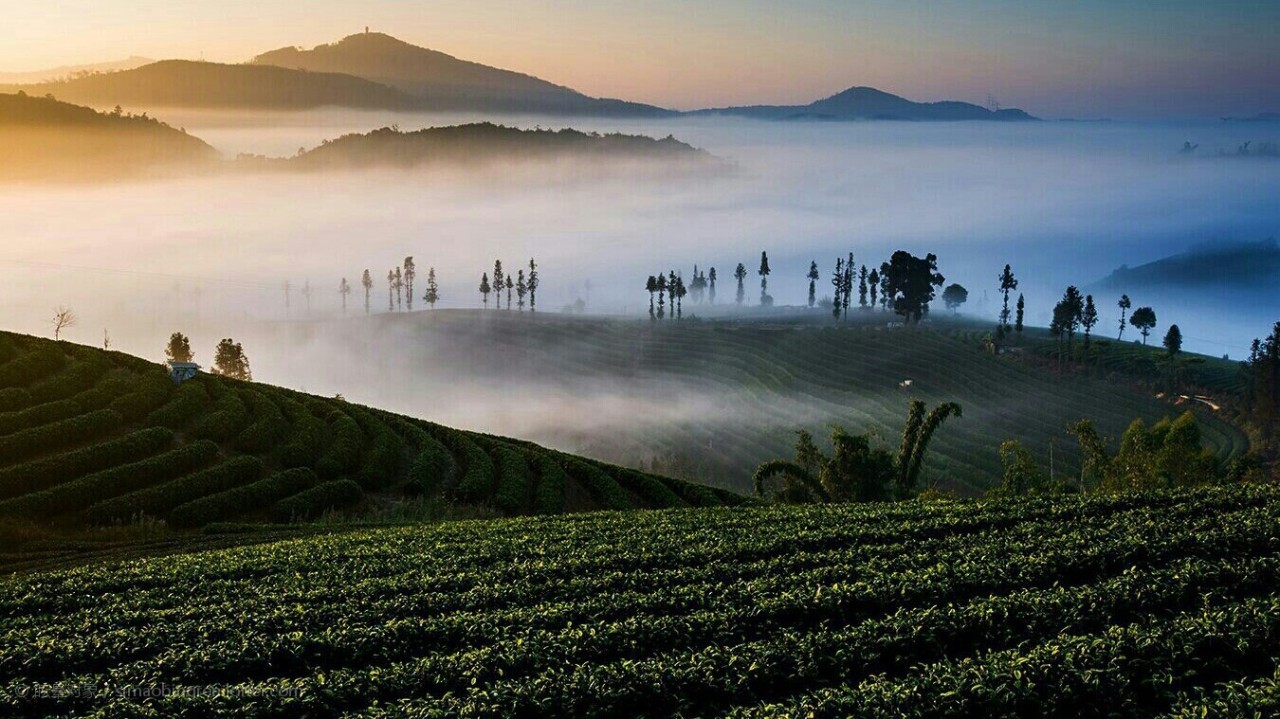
(1141, 59)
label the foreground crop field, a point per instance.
(708, 401)
(93, 438)
(1161, 604)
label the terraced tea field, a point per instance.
(92, 438)
(1164, 604)
(710, 400)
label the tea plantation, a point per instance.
(94, 438)
(1163, 604)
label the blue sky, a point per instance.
(1082, 59)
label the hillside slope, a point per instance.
(187, 84)
(711, 399)
(443, 82)
(477, 144)
(1146, 605)
(42, 137)
(100, 438)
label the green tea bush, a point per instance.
(30, 366)
(33, 441)
(307, 437)
(158, 500)
(146, 394)
(433, 469)
(603, 488)
(187, 402)
(476, 484)
(242, 500)
(548, 496)
(513, 480)
(45, 472)
(650, 488)
(11, 422)
(81, 493)
(342, 454)
(14, 398)
(314, 502)
(268, 427)
(228, 418)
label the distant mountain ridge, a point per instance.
(374, 71)
(1228, 264)
(443, 82)
(66, 71)
(868, 103)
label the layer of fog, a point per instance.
(1063, 202)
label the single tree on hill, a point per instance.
(366, 281)
(432, 295)
(954, 296)
(873, 284)
(651, 285)
(837, 284)
(662, 290)
(229, 360)
(862, 287)
(679, 295)
(510, 286)
(711, 288)
(765, 299)
(344, 289)
(740, 274)
(911, 283)
(1173, 340)
(1088, 319)
(698, 285)
(179, 348)
(522, 289)
(399, 285)
(671, 293)
(410, 274)
(846, 286)
(885, 297)
(1022, 308)
(533, 284)
(1069, 313)
(1143, 318)
(1008, 283)
(485, 288)
(1124, 305)
(813, 279)
(63, 318)
(391, 291)
(498, 282)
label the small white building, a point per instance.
(180, 372)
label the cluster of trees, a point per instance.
(229, 359)
(1261, 392)
(668, 285)
(521, 286)
(1166, 455)
(856, 471)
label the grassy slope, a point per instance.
(96, 438)
(726, 395)
(1132, 606)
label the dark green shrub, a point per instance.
(314, 502)
(603, 488)
(79, 494)
(149, 393)
(268, 428)
(43, 473)
(650, 488)
(548, 496)
(306, 438)
(476, 484)
(513, 480)
(57, 435)
(228, 418)
(242, 500)
(13, 398)
(182, 407)
(695, 494)
(433, 469)
(80, 376)
(158, 500)
(30, 366)
(11, 422)
(342, 453)
(381, 465)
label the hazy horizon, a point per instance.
(1144, 60)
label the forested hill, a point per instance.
(187, 84)
(96, 438)
(868, 103)
(1236, 265)
(483, 142)
(42, 137)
